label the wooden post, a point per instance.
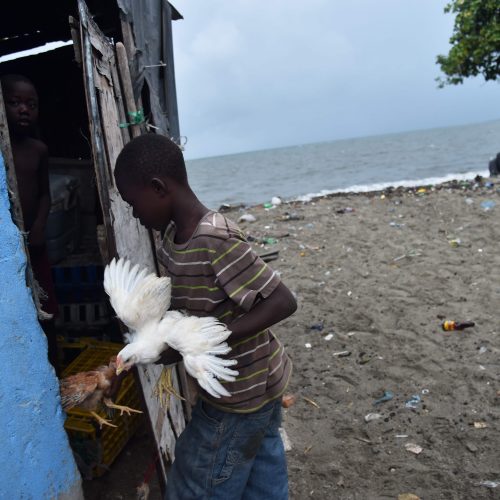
(121, 55)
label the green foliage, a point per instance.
(475, 42)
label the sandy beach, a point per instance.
(374, 283)
(375, 275)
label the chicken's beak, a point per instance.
(119, 365)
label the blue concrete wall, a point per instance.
(35, 458)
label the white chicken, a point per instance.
(141, 301)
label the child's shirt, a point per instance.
(217, 273)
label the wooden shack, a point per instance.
(115, 81)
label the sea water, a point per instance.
(360, 164)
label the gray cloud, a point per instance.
(254, 75)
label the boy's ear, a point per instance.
(159, 186)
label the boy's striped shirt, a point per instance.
(217, 273)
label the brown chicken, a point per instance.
(86, 391)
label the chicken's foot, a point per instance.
(101, 421)
(122, 409)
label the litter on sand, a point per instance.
(413, 448)
(388, 395)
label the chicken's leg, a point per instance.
(102, 421)
(122, 409)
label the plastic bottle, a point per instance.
(457, 325)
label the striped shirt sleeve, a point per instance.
(242, 274)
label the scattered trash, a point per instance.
(489, 185)
(483, 349)
(455, 242)
(408, 496)
(469, 201)
(411, 253)
(288, 400)
(382, 196)
(268, 205)
(388, 395)
(291, 216)
(276, 200)
(488, 205)
(307, 345)
(413, 402)
(396, 224)
(247, 218)
(480, 425)
(317, 326)
(311, 402)
(372, 416)
(342, 354)
(425, 391)
(287, 444)
(489, 484)
(269, 241)
(364, 358)
(346, 210)
(413, 448)
(269, 256)
(403, 436)
(421, 190)
(449, 326)
(329, 336)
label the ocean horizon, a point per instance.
(361, 164)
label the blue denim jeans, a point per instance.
(230, 456)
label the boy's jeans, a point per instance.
(229, 456)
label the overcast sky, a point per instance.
(262, 74)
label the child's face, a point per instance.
(21, 107)
(151, 207)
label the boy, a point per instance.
(31, 164)
(231, 448)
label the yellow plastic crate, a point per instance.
(95, 449)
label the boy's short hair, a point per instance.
(9, 80)
(149, 156)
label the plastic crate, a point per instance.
(95, 449)
(84, 315)
(79, 284)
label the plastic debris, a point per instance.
(489, 185)
(342, 354)
(480, 425)
(276, 200)
(247, 218)
(469, 201)
(489, 484)
(413, 448)
(455, 242)
(268, 205)
(396, 224)
(288, 400)
(346, 210)
(291, 216)
(413, 402)
(317, 326)
(388, 395)
(329, 336)
(269, 241)
(372, 416)
(307, 345)
(483, 349)
(408, 496)
(488, 205)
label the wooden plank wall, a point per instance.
(129, 239)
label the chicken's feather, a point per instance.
(136, 296)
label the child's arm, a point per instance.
(37, 233)
(275, 308)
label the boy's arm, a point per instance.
(37, 232)
(269, 311)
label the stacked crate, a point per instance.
(95, 449)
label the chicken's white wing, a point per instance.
(201, 341)
(136, 296)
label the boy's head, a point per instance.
(150, 175)
(21, 104)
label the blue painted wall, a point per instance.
(35, 458)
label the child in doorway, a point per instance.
(31, 164)
(231, 448)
